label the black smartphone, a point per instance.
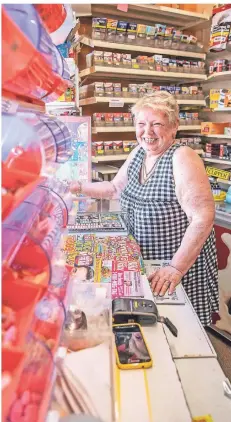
(131, 348)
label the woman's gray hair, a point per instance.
(159, 101)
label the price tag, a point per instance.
(116, 102)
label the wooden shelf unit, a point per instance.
(218, 136)
(217, 161)
(132, 100)
(113, 72)
(146, 14)
(122, 157)
(153, 14)
(109, 158)
(221, 75)
(110, 129)
(140, 48)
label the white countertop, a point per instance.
(186, 378)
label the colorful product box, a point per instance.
(210, 128)
(108, 58)
(111, 29)
(131, 32)
(109, 119)
(108, 147)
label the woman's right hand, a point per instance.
(75, 187)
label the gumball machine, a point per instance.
(35, 208)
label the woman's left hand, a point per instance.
(163, 279)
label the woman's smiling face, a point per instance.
(153, 131)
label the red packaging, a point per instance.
(22, 300)
(98, 119)
(109, 119)
(117, 145)
(221, 155)
(98, 148)
(108, 147)
(127, 119)
(118, 119)
(31, 75)
(208, 149)
(34, 385)
(52, 15)
(12, 365)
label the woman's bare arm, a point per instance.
(195, 197)
(107, 190)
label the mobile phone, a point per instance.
(131, 348)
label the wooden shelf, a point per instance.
(139, 48)
(216, 160)
(131, 100)
(107, 158)
(112, 71)
(122, 157)
(226, 182)
(189, 127)
(105, 169)
(218, 136)
(221, 75)
(227, 109)
(60, 104)
(152, 14)
(110, 129)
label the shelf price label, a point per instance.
(116, 102)
(215, 172)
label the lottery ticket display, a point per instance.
(114, 260)
(79, 165)
(97, 222)
(177, 298)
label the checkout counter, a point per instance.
(186, 380)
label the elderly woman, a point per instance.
(165, 191)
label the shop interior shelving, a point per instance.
(121, 157)
(146, 14)
(130, 73)
(140, 48)
(226, 182)
(217, 80)
(118, 129)
(220, 75)
(153, 14)
(218, 136)
(218, 161)
(127, 100)
(224, 110)
(60, 104)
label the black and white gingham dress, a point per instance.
(158, 223)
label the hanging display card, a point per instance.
(78, 167)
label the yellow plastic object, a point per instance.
(206, 418)
(220, 197)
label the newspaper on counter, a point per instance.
(178, 296)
